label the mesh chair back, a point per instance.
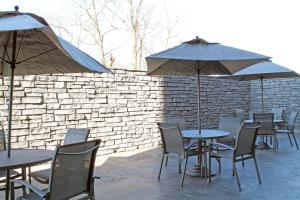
(171, 138)
(2, 140)
(72, 169)
(277, 113)
(76, 135)
(231, 124)
(180, 121)
(239, 113)
(266, 123)
(246, 140)
(292, 120)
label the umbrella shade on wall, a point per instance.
(28, 46)
(261, 71)
(199, 57)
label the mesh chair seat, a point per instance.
(41, 175)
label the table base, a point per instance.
(264, 145)
(199, 171)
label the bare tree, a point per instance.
(136, 20)
(108, 25)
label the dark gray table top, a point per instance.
(24, 158)
(205, 134)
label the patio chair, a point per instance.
(180, 121)
(231, 124)
(239, 113)
(244, 149)
(182, 125)
(173, 145)
(289, 128)
(267, 127)
(13, 174)
(277, 113)
(250, 115)
(71, 174)
(73, 135)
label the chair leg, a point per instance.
(243, 163)
(29, 175)
(184, 169)
(167, 158)
(257, 171)
(161, 164)
(295, 141)
(274, 138)
(209, 167)
(12, 191)
(237, 177)
(290, 140)
(92, 190)
(219, 161)
(24, 179)
(179, 165)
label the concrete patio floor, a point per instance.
(133, 175)
(130, 177)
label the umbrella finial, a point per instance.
(198, 40)
(17, 8)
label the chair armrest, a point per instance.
(39, 192)
(220, 145)
(191, 145)
(96, 177)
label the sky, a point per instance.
(269, 27)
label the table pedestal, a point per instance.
(199, 171)
(264, 145)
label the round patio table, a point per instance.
(205, 134)
(22, 158)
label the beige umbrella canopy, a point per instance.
(200, 57)
(28, 45)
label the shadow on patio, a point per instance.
(134, 176)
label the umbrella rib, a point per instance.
(36, 56)
(20, 45)
(8, 62)
(5, 47)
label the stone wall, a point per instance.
(278, 93)
(121, 108)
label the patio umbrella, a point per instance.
(261, 71)
(28, 46)
(200, 57)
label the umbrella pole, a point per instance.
(199, 120)
(11, 90)
(262, 94)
